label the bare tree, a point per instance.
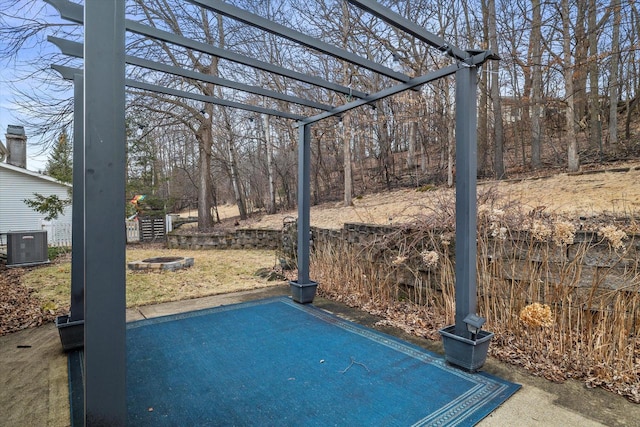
(498, 128)
(185, 20)
(347, 131)
(613, 75)
(232, 162)
(547, 58)
(484, 151)
(536, 84)
(45, 100)
(266, 123)
(573, 161)
(576, 31)
(595, 125)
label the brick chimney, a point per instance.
(16, 146)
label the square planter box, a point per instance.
(303, 293)
(71, 333)
(463, 352)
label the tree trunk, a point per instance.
(271, 207)
(451, 143)
(595, 125)
(613, 80)
(235, 179)
(573, 161)
(484, 165)
(581, 62)
(205, 220)
(483, 132)
(498, 127)
(346, 134)
(413, 138)
(536, 89)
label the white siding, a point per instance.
(16, 185)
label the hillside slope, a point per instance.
(613, 191)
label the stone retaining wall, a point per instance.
(589, 259)
(586, 263)
(237, 239)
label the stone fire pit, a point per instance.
(162, 263)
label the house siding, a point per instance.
(16, 185)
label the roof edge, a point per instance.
(33, 174)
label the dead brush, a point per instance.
(584, 288)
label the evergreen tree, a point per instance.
(52, 206)
(60, 162)
(59, 166)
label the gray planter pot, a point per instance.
(71, 333)
(463, 352)
(303, 292)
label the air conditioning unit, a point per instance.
(26, 248)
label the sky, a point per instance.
(10, 113)
(36, 161)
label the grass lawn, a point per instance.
(214, 272)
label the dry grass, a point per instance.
(587, 329)
(615, 192)
(214, 272)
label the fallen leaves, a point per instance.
(19, 306)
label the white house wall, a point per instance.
(16, 185)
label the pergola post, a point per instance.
(71, 326)
(304, 202)
(105, 240)
(465, 343)
(466, 172)
(77, 214)
(303, 290)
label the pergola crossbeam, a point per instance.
(68, 73)
(168, 37)
(398, 21)
(385, 93)
(74, 12)
(75, 49)
(267, 25)
(210, 99)
(478, 58)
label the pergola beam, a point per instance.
(75, 49)
(398, 21)
(478, 58)
(73, 12)
(68, 73)
(210, 99)
(401, 87)
(267, 25)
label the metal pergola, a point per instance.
(98, 269)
